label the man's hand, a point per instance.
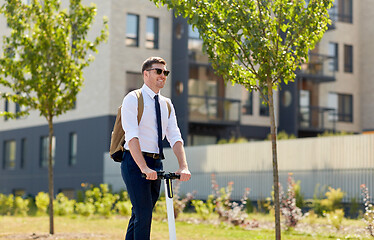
(185, 174)
(151, 174)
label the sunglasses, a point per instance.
(159, 71)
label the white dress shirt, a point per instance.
(146, 131)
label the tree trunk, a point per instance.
(50, 176)
(275, 160)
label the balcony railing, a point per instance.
(317, 118)
(213, 109)
(319, 66)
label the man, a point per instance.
(143, 149)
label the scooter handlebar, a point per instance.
(163, 175)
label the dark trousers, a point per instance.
(143, 196)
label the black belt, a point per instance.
(151, 155)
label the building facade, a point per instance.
(333, 92)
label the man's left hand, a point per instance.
(185, 174)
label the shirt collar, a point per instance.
(149, 91)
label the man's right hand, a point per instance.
(151, 174)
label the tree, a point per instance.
(43, 60)
(258, 44)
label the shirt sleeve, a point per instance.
(129, 116)
(173, 133)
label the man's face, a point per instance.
(153, 80)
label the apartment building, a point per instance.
(137, 29)
(332, 92)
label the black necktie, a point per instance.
(159, 128)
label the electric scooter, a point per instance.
(168, 177)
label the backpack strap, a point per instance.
(139, 95)
(169, 108)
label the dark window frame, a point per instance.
(23, 152)
(7, 162)
(348, 58)
(248, 106)
(335, 64)
(345, 113)
(345, 11)
(73, 149)
(155, 28)
(130, 38)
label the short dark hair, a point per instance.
(150, 61)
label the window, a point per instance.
(23, 152)
(9, 154)
(247, 108)
(348, 58)
(132, 30)
(44, 146)
(343, 104)
(73, 142)
(151, 37)
(334, 52)
(264, 108)
(345, 108)
(345, 10)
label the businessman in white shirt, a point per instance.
(143, 148)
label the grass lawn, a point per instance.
(113, 228)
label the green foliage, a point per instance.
(300, 202)
(45, 53)
(311, 217)
(282, 135)
(63, 205)
(42, 201)
(317, 198)
(331, 134)
(6, 204)
(123, 208)
(204, 209)
(179, 202)
(21, 206)
(335, 218)
(253, 42)
(85, 209)
(160, 208)
(354, 208)
(102, 199)
(333, 200)
(233, 140)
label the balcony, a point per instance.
(320, 68)
(317, 119)
(214, 110)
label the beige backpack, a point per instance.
(117, 140)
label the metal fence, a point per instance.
(343, 162)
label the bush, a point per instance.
(369, 210)
(85, 209)
(335, 218)
(311, 217)
(333, 201)
(123, 208)
(292, 214)
(231, 212)
(63, 206)
(21, 206)
(6, 204)
(42, 202)
(180, 203)
(102, 199)
(204, 210)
